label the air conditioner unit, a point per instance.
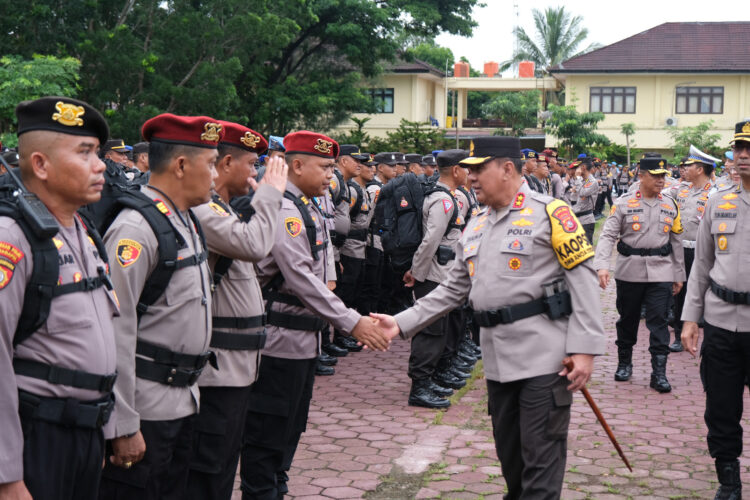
(671, 121)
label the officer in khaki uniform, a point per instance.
(650, 267)
(586, 189)
(719, 291)
(546, 310)
(161, 349)
(298, 304)
(692, 196)
(55, 377)
(237, 306)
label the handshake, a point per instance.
(376, 332)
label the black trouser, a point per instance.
(530, 419)
(348, 282)
(163, 472)
(655, 297)
(276, 418)
(396, 297)
(725, 363)
(372, 277)
(589, 229)
(679, 299)
(455, 329)
(60, 462)
(216, 442)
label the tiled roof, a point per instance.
(414, 66)
(671, 48)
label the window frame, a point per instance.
(382, 96)
(613, 93)
(710, 92)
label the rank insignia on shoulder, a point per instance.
(218, 209)
(128, 252)
(518, 202)
(293, 226)
(522, 222)
(612, 210)
(163, 208)
(333, 183)
(58, 243)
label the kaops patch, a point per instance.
(612, 210)
(128, 252)
(564, 216)
(723, 227)
(515, 245)
(293, 226)
(571, 246)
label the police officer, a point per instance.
(558, 189)
(414, 164)
(529, 167)
(56, 371)
(140, 156)
(298, 303)
(429, 164)
(162, 347)
(441, 229)
(650, 267)
(719, 291)
(586, 189)
(692, 196)
(237, 305)
(379, 277)
(524, 240)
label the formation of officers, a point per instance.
(185, 341)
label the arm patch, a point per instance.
(567, 236)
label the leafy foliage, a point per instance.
(576, 131)
(683, 137)
(517, 109)
(431, 53)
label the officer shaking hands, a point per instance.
(546, 310)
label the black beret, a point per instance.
(386, 158)
(353, 151)
(62, 114)
(429, 160)
(451, 157)
(140, 147)
(413, 158)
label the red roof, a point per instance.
(671, 48)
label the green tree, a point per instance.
(517, 109)
(628, 129)
(410, 137)
(575, 131)
(357, 136)
(440, 57)
(22, 79)
(698, 136)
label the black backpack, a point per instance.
(114, 181)
(398, 216)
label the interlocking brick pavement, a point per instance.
(362, 440)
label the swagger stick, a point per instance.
(600, 417)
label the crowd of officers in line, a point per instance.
(173, 370)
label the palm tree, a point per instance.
(628, 129)
(559, 36)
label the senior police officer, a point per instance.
(546, 310)
(298, 305)
(719, 290)
(234, 245)
(161, 347)
(56, 370)
(650, 267)
(691, 196)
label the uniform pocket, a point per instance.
(209, 442)
(516, 256)
(723, 232)
(558, 419)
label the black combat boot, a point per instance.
(327, 359)
(659, 373)
(624, 364)
(676, 346)
(447, 379)
(346, 342)
(321, 369)
(729, 480)
(421, 395)
(335, 350)
(443, 392)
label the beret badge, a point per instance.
(68, 114)
(323, 146)
(250, 140)
(211, 133)
(746, 128)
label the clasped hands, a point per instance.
(376, 332)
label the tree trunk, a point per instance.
(627, 144)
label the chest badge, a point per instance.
(514, 264)
(636, 226)
(722, 242)
(522, 223)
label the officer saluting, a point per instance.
(56, 370)
(162, 344)
(719, 290)
(649, 268)
(547, 309)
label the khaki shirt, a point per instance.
(504, 257)
(643, 223)
(341, 221)
(587, 191)
(238, 293)
(692, 202)
(437, 213)
(305, 278)
(78, 333)
(558, 188)
(356, 248)
(721, 254)
(179, 320)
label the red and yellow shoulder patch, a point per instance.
(564, 216)
(163, 208)
(567, 236)
(10, 255)
(518, 202)
(293, 226)
(128, 252)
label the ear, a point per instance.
(177, 166)
(39, 165)
(296, 167)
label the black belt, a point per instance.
(627, 250)
(357, 234)
(64, 376)
(238, 341)
(731, 296)
(560, 302)
(337, 239)
(295, 321)
(168, 367)
(229, 322)
(66, 411)
(585, 212)
(285, 298)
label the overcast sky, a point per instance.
(607, 22)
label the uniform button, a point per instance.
(173, 371)
(170, 380)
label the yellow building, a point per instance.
(675, 74)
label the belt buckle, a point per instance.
(194, 375)
(506, 314)
(108, 382)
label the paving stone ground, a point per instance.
(363, 441)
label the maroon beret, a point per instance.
(200, 131)
(242, 137)
(311, 143)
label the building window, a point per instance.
(383, 99)
(612, 99)
(700, 100)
